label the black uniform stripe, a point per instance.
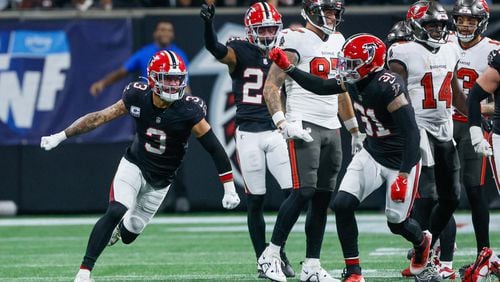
(173, 59)
(266, 9)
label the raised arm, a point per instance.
(306, 80)
(85, 124)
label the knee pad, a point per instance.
(394, 216)
(345, 202)
(134, 224)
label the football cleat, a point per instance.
(313, 272)
(480, 269)
(286, 267)
(429, 274)
(270, 264)
(83, 275)
(420, 257)
(406, 272)
(352, 277)
(115, 236)
(447, 273)
(495, 268)
(260, 273)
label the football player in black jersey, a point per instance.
(164, 119)
(391, 150)
(488, 83)
(258, 143)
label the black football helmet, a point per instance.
(427, 21)
(471, 8)
(399, 32)
(313, 11)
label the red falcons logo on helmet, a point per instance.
(417, 12)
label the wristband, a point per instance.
(351, 123)
(278, 116)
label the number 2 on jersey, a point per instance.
(444, 94)
(253, 86)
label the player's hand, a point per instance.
(278, 56)
(207, 12)
(481, 146)
(357, 139)
(231, 199)
(293, 130)
(50, 142)
(96, 88)
(398, 189)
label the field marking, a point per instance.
(371, 224)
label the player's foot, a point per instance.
(286, 266)
(115, 236)
(480, 269)
(406, 272)
(260, 273)
(83, 275)
(421, 255)
(495, 268)
(429, 274)
(313, 272)
(447, 273)
(352, 277)
(270, 263)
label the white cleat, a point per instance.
(83, 275)
(313, 272)
(270, 263)
(115, 236)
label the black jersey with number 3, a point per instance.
(248, 78)
(161, 134)
(370, 97)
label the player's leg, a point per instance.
(362, 177)
(447, 171)
(126, 184)
(147, 204)
(278, 163)
(251, 159)
(304, 160)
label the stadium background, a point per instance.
(75, 177)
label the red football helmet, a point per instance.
(262, 25)
(361, 55)
(167, 75)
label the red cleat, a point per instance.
(421, 255)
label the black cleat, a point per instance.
(286, 266)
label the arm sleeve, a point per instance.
(404, 117)
(212, 43)
(212, 145)
(315, 83)
(476, 95)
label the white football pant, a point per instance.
(364, 175)
(141, 199)
(255, 150)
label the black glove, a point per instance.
(207, 12)
(487, 124)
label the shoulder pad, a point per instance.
(494, 59)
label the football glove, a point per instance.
(481, 146)
(293, 130)
(279, 57)
(357, 139)
(231, 199)
(207, 12)
(50, 142)
(398, 189)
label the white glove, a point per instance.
(357, 139)
(294, 130)
(230, 199)
(50, 142)
(481, 146)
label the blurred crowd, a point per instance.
(84, 5)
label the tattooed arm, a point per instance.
(84, 124)
(275, 79)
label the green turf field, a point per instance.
(196, 248)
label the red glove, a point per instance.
(279, 57)
(398, 189)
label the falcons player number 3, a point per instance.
(159, 137)
(254, 86)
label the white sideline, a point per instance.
(367, 223)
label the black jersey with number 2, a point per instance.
(248, 78)
(161, 135)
